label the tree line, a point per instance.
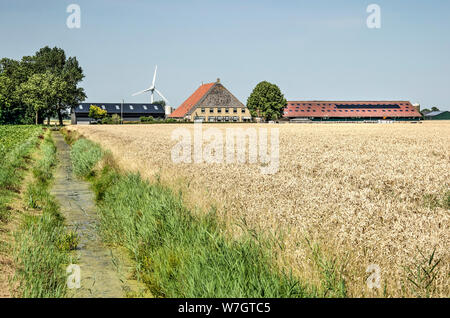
(39, 87)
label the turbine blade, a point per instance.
(138, 93)
(159, 93)
(144, 91)
(154, 76)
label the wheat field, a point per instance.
(365, 193)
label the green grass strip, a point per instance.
(42, 248)
(16, 145)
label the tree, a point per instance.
(266, 101)
(425, 111)
(66, 75)
(72, 74)
(162, 103)
(13, 110)
(97, 113)
(6, 99)
(40, 92)
(69, 70)
(434, 109)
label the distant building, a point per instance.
(212, 102)
(350, 111)
(130, 112)
(438, 115)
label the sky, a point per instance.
(313, 50)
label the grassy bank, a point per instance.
(42, 246)
(177, 253)
(16, 145)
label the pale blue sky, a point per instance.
(319, 49)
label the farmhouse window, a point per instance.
(234, 110)
(203, 110)
(211, 110)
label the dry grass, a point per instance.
(366, 193)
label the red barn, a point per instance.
(350, 110)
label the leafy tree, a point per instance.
(434, 109)
(69, 70)
(48, 59)
(266, 101)
(72, 74)
(66, 73)
(13, 110)
(6, 99)
(97, 113)
(425, 111)
(162, 103)
(40, 92)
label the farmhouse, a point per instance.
(438, 115)
(130, 112)
(212, 102)
(350, 111)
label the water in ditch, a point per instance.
(102, 271)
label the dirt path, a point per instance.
(99, 272)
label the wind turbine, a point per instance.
(152, 89)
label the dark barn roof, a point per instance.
(130, 109)
(349, 109)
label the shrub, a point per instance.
(115, 119)
(148, 119)
(97, 113)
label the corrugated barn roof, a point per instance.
(343, 109)
(115, 108)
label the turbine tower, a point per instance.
(152, 89)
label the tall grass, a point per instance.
(86, 155)
(10, 175)
(41, 244)
(15, 152)
(177, 253)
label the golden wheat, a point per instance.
(366, 193)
